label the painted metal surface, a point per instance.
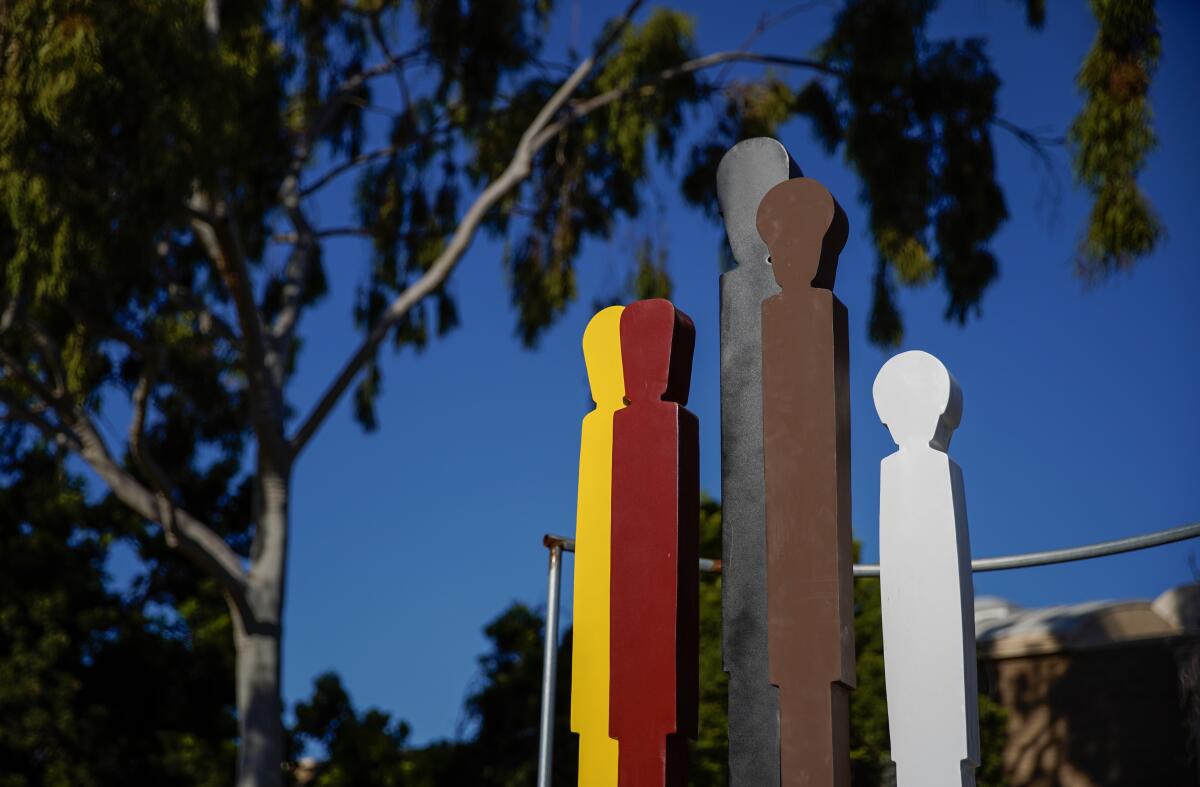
(590, 652)
(806, 447)
(925, 579)
(655, 564)
(746, 173)
(549, 669)
(1088, 551)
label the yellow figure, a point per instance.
(593, 527)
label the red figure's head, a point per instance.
(656, 351)
(805, 230)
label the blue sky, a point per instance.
(1080, 420)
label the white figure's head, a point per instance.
(918, 400)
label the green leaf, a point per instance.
(1112, 136)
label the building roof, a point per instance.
(1005, 630)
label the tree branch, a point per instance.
(381, 40)
(767, 21)
(1030, 139)
(50, 356)
(9, 315)
(27, 378)
(366, 158)
(299, 261)
(77, 431)
(344, 92)
(141, 455)
(328, 232)
(346, 166)
(208, 322)
(220, 242)
(194, 538)
(38, 390)
(517, 171)
(294, 275)
(581, 109)
(55, 433)
(212, 19)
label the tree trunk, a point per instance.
(258, 629)
(260, 724)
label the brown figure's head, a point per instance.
(656, 351)
(805, 230)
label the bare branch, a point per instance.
(50, 355)
(328, 232)
(346, 166)
(141, 455)
(223, 247)
(331, 232)
(381, 41)
(294, 277)
(516, 172)
(1029, 138)
(1050, 189)
(295, 274)
(77, 431)
(165, 511)
(299, 261)
(365, 158)
(583, 108)
(208, 322)
(43, 394)
(22, 374)
(194, 538)
(342, 93)
(141, 399)
(9, 316)
(212, 18)
(36, 417)
(768, 21)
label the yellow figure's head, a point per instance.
(602, 354)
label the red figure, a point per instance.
(655, 612)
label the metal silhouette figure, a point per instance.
(655, 552)
(806, 445)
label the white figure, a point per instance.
(925, 578)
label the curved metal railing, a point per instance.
(559, 544)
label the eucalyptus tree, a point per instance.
(98, 685)
(160, 161)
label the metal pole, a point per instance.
(1005, 562)
(707, 565)
(558, 544)
(549, 667)
(1069, 554)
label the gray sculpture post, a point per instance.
(745, 174)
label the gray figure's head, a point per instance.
(746, 173)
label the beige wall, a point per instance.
(1116, 715)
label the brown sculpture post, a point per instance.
(806, 446)
(654, 580)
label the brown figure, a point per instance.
(806, 448)
(654, 644)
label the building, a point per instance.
(1101, 693)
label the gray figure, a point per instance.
(747, 172)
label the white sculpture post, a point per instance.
(925, 577)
